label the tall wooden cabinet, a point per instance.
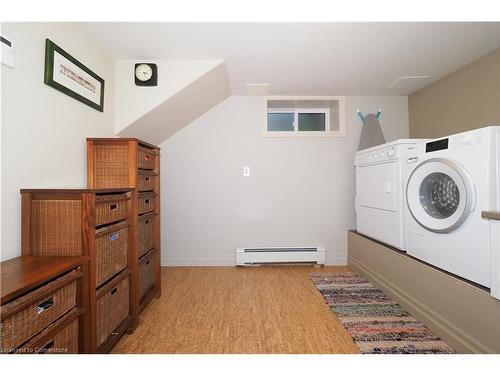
(132, 163)
(95, 223)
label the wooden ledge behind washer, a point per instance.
(492, 215)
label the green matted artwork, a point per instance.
(68, 75)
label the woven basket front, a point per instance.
(111, 251)
(146, 234)
(147, 202)
(110, 208)
(146, 274)
(26, 323)
(146, 182)
(146, 158)
(112, 309)
(63, 342)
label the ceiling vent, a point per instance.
(408, 82)
(258, 88)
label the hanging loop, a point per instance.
(361, 115)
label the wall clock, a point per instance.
(146, 74)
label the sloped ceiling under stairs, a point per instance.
(186, 90)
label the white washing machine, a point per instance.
(449, 181)
(380, 191)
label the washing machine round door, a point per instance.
(440, 195)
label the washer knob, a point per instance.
(390, 152)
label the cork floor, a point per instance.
(238, 310)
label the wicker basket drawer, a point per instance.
(31, 313)
(112, 307)
(146, 181)
(146, 158)
(110, 208)
(64, 341)
(111, 251)
(146, 233)
(146, 202)
(147, 271)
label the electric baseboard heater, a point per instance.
(267, 255)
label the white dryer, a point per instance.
(449, 181)
(380, 195)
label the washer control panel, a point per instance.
(378, 155)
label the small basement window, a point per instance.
(303, 116)
(298, 119)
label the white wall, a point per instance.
(44, 130)
(300, 191)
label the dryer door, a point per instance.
(376, 186)
(440, 195)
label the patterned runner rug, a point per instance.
(377, 324)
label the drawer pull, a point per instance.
(115, 236)
(114, 290)
(147, 263)
(46, 348)
(44, 305)
(146, 222)
(146, 157)
(112, 207)
(146, 201)
(147, 179)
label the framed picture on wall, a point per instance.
(68, 75)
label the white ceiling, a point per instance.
(309, 58)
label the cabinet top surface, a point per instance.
(21, 274)
(77, 190)
(139, 141)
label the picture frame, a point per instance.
(69, 76)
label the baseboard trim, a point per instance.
(224, 259)
(182, 261)
(336, 260)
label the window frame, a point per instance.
(296, 112)
(304, 133)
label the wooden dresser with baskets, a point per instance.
(93, 223)
(129, 162)
(44, 305)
